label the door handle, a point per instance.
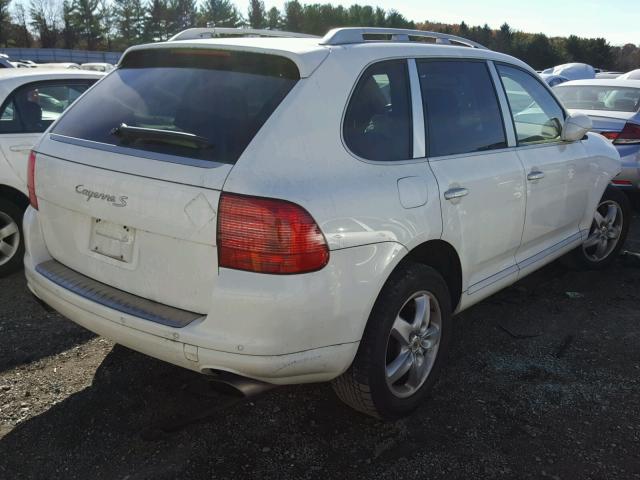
(454, 193)
(20, 148)
(535, 175)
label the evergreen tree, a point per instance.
(69, 30)
(273, 18)
(130, 21)
(219, 13)
(257, 16)
(182, 15)
(157, 28)
(293, 16)
(5, 22)
(85, 18)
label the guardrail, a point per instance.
(57, 55)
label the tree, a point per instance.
(107, 19)
(182, 15)
(257, 14)
(129, 21)
(23, 36)
(293, 16)
(5, 22)
(45, 20)
(157, 26)
(86, 20)
(219, 13)
(273, 18)
(69, 31)
(504, 38)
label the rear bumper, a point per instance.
(231, 338)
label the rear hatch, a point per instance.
(128, 181)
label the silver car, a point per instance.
(614, 108)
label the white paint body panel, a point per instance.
(299, 328)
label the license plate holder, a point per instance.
(112, 240)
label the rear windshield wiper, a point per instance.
(173, 137)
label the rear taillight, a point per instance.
(268, 236)
(31, 180)
(629, 135)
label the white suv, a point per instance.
(311, 209)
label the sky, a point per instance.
(618, 22)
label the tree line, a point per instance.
(117, 24)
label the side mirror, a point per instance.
(575, 127)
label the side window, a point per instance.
(537, 116)
(33, 107)
(461, 107)
(378, 124)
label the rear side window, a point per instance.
(460, 102)
(537, 116)
(200, 104)
(377, 124)
(599, 97)
(33, 107)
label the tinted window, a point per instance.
(461, 107)
(377, 124)
(222, 97)
(537, 116)
(607, 98)
(33, 107)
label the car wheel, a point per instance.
(403, 346)
(607, 234)
(11, 244)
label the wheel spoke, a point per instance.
(602, 247)
(592, 241)
(423, 311)
(401, 330)
(9, 230)
(612, 213)
(598, 218)
(6, 249)
(614, 233)
(401, 365)
(415, 374)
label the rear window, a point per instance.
(607, 98)
(200, 104)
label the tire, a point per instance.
(588, 256)
(11, 238)
(367, 385)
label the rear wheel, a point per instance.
(403, 346)
(607, 234)
(11, 243)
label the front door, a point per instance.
(481, 179)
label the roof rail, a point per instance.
(198, 33)
(343, 36)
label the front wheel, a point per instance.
(608, 232)
(11, 244)
(403, 346)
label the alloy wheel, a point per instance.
(605, 231)
(412, 346)
(9, 238)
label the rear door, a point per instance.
(128, 181)
(557, 172)
(481, 179)
(27, 112)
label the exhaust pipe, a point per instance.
(247, 387)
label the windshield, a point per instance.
(217, 95)
(591, 97)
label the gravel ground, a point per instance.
(541, 383)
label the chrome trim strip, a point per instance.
(419, 140)
(133, 152)
(496, 277)
(576, 237)
(113, 298)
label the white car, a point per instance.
(299, 210)
(30, 100)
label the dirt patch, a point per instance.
(539, 384)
